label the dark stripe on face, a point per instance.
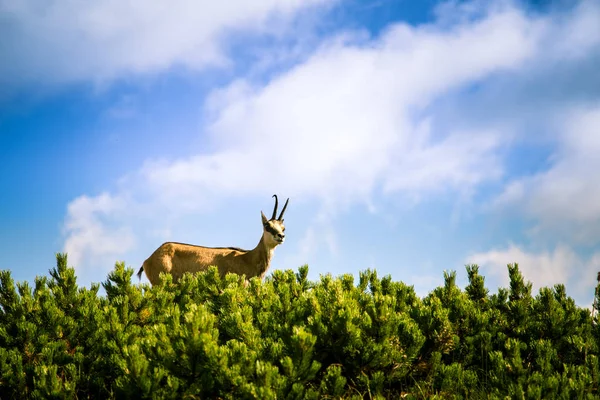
(271, 230)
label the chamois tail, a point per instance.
(139, 274)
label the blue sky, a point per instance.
(412, 137)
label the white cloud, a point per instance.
(63, 41)
(564, 200)
(93, 239)
(576, 32)
(351, 118)
(544, 268)
(461, 161)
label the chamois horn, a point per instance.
(282, 211)
(275, 209)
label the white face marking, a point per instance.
(275, 231)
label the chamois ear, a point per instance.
(264, 219)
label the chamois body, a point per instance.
(178, 258)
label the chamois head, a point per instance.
(273, 229)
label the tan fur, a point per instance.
(179, 258)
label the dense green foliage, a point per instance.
(290, 338)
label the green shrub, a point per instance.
(290, 338)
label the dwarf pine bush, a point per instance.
(289, 338)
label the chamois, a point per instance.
(178, 258)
